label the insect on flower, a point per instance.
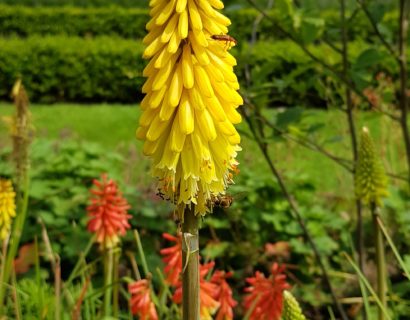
(222, 201)
(229, 40)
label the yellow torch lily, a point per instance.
(191, 101)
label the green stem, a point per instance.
(141, 252)
(115, 293)
(380, 261)
(109, 261)
(22, 204)
(190, 259)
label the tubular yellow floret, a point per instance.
(189, 110)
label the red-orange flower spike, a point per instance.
(140, 302)
(208, 291)
(223, 295)
(107, 212)
(268, 294)
(172, 258)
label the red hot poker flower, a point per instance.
(268, 294)
(223, 295)
(208, 291)
(140, 302)
(107, 212)
(172, 258)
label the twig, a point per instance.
(360, 247)
(345, 80)
(297, 215)
(403, 22)
(387, 45)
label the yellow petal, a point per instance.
(177, 137)
(187, 67)
(175, 89)
(174, 42)
(215, 109)
(196, 99)
(153, 48)
(186, 115)
(217, 4)
(206, 124)
(204, 5)
(166, 110)
(156, 128)
(162, 77)
(181, 5)
(200, 52)
(157, 97)
(169, 29)
(165, 13)
(202, 79)
(194, 15)
(183, 25)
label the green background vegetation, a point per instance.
(82, 67)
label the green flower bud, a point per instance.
(291, 308)
(370, 178)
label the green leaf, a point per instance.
(368, 58)
(215, 249)
(311, 29)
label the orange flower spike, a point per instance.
(172, 258)
(140, 302)
(268, 294)
(224, 295)
(107, 212)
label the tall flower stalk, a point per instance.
(20, 132)
(188, 118)
(371, 187)
(108, 212)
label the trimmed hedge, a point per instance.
(78, 3)
(26, 21)
(105, 69)
(63, 68)
(130, 23)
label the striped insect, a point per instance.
(229, 40)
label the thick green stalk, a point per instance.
(116, 292)
(380, 261)
(190, 261)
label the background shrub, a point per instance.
(72, 69)
(130, 23)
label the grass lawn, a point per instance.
(113, 126)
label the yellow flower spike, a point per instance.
(7, 207)
(189, 110)
(370, 178)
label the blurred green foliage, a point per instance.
(72, 69)
(109, 69)
(130, 22)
